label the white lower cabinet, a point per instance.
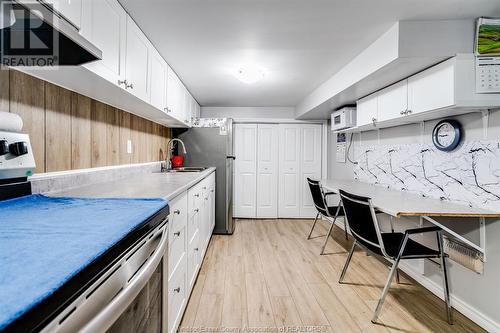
(191, 222)
(271, 167)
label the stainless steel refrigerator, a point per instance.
(210, 143)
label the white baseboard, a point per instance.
(458, 304)
(463, 307)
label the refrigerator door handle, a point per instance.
(231, 157)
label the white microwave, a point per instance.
(344, 118)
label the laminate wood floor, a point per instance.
(268, 277)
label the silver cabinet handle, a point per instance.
(206, 198)
(204, 187)
(374, 119)
(212, 191)
(402, 112)
(197, 210)
(196, 249)
(178, 233)
(131, 86)
(409, 111)
(197, 195)
(177, 211)
(120, 82)
(177, 290)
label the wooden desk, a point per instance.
(400, 203)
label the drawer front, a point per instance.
(177, 250)
(194, 198)
(193, 259)
(193, 224)
(176, 297)
(178, 214)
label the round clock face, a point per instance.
(446, 135)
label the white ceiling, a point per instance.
(301, 43)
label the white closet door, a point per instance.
(267, 171)
(245, 173)
(310, 166)
(289, 171)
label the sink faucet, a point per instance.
(167, 165)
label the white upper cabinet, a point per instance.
(175, 94)
(367, 110)
(393, 101)
(158, 80)
(104, 23)
(136, 61)
(70, 9)
(432, 89)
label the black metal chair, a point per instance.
(394, 246)
(319, 199)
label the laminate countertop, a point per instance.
(148, 185)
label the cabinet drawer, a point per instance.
(194, 198)
(178, 214)
(193, 260)
(193, 224)
(176, 297)
(177, 250)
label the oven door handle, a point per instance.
(107, 317)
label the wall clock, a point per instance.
(447, 135)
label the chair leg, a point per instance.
(397, 277)
(314, 224)
(449, 309)
(349, 257)
(345, 229)
(389, 280)
(330, 230)
(327, 236)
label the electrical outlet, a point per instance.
(129, 146)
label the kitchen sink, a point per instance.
(187, 169)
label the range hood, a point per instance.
(41, 37)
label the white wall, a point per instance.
(248, 112)
(479, 293)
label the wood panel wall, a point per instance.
(71, 131)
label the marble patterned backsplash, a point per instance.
(469, 175)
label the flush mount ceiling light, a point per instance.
(250, 74)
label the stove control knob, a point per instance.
(4, 147)
(18, 148)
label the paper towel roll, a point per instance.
(10, 122)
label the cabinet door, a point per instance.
(136, 62)
(172, 88)
(212, 206)
(432, 89)
(393, 101)
(367, 110)
(158, 80)
(104, 24)
(310, 166)
(267, 171)
(289, 171)
(175, 95)
(70, 9)
(245, 173)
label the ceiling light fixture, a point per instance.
(250, 74)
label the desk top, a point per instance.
(400, 203)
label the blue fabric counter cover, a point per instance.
(44, 241)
